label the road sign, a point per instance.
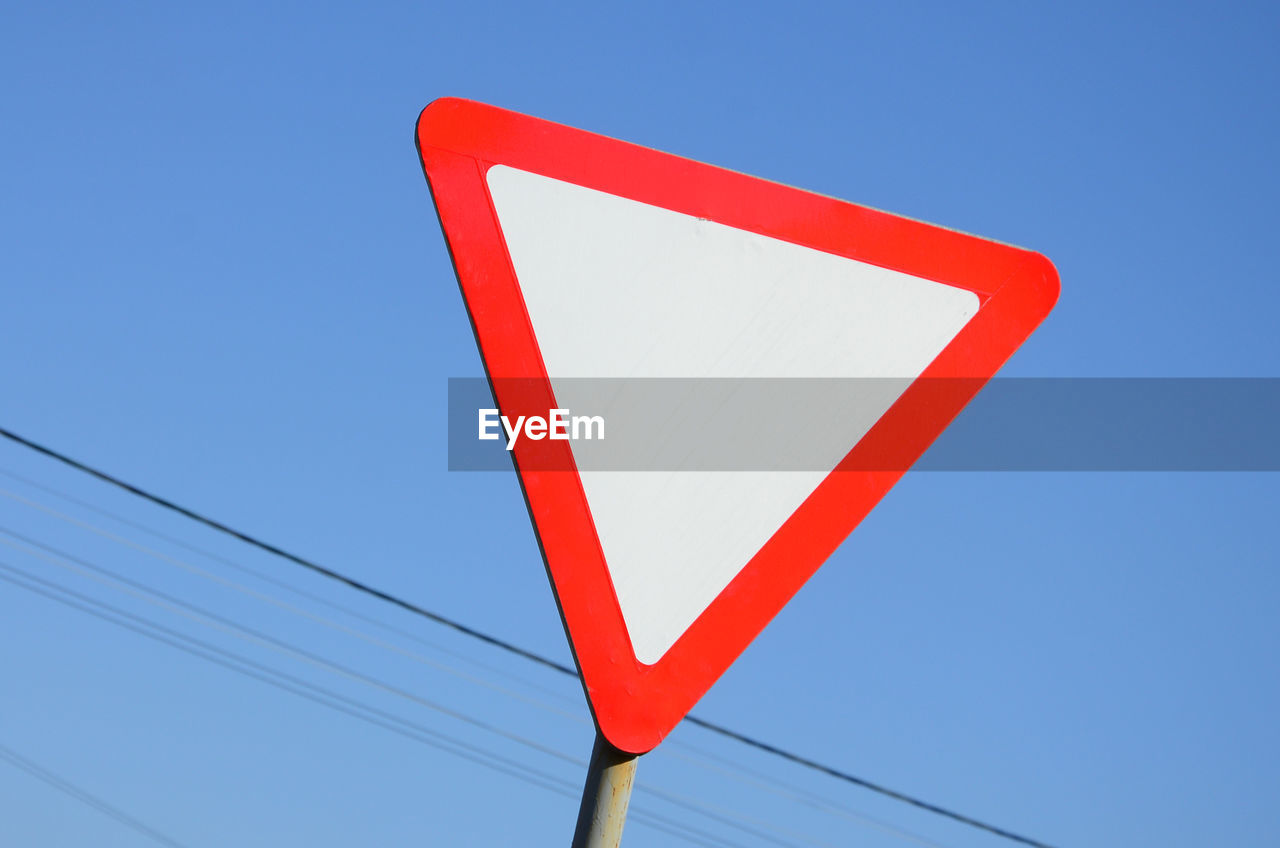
(580, 256)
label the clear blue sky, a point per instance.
(224, 281)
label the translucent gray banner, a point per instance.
(1012, 424)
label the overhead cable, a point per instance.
(496, 642)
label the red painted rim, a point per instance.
(636, 705)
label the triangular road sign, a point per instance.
(581, 256)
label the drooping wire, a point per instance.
(333, 700)
(280, 604)
(258, 671)
(308, 564)
(496, 642)
(257, 575)
(61, 559)
(858, 781)
(764, 782)
(66, 787)
(767, 783)
(97, 573)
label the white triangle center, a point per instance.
(617, 288)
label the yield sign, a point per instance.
(581, 256)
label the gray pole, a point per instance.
(605, 796)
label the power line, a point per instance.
(768, 783)
(75, 564)
(263, 673)
(328, 698)
(276, 602)
(193, 612)
(68, 788)
(257, 575)
(496, 642)
(294, 558)
(858, 781)
(765, 782)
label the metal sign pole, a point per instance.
(605, 796)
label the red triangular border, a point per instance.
(636, 705)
